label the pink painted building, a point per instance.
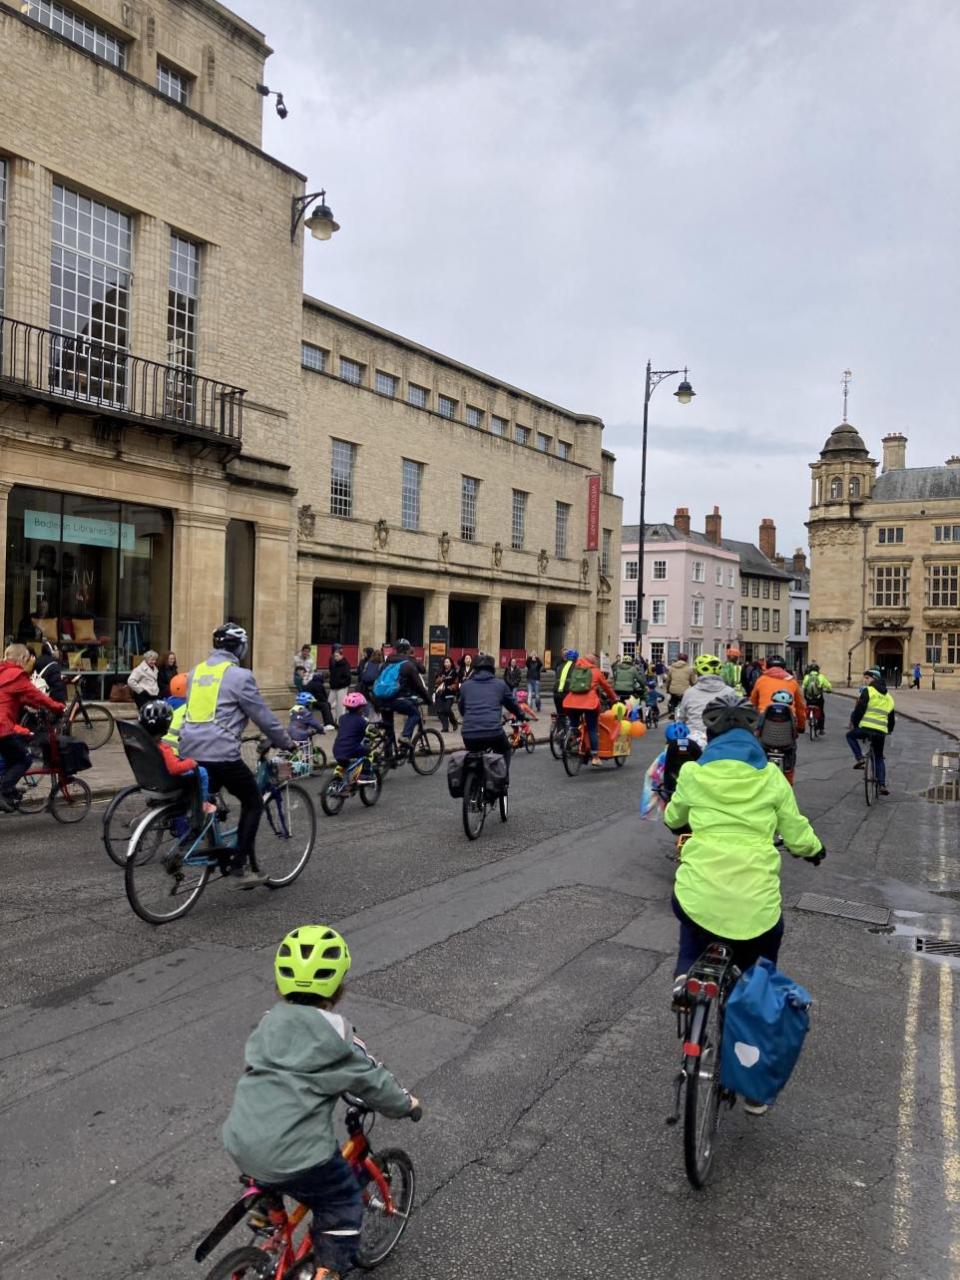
(691, 589)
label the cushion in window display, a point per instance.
(84, 632)
(47, 627)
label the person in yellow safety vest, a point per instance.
(560, 690)
(221, 698)
(871, 720)
(177, 702)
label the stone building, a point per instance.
(799, 615)
(166, 446)
(764, 594)
(885, 561)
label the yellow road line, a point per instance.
(903, 1190)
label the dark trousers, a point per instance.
(674, 702)
(16, 761)
(746, 951)
(412, 708)
(332, 1193)
(445, 704)
(495, 742)
(235, 777)
(558, 705)
(593, 729)
(141, 697)
(856, 736)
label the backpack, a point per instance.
(387, 683)
(811, 687)
(580, 680)
(625, 680)
(371, 669)
(455, 774)
(765, 1022)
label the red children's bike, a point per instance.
(282, 1241)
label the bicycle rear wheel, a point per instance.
(287, 834)
(160, 885)
(529, 742)
(35, 791)
(869, 777)
(702, 1102)
(572, 759)
(503, 803)
(380, 1229)
(71, 800)
(474, 805)
(244, 1264)
(92, 724)
(426, 752)
(123, 813)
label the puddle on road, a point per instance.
(943, 793)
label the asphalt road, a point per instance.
(520, 985)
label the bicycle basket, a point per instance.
(456, 772)
(281, 770)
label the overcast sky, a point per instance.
(554, 191)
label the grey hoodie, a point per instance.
(299, 1060)
(238, 702)
(707, 689)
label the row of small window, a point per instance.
(343, 463)
(890, 534)
(631, 570)
(103, 44)
(891, 586)
(388, 384)
(658, 612)
(759, 619)
(943, 646)
(758, 587)
(836, 488)
(662, 651)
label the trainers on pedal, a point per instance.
(859, 764)
(752, 1108)
(245, 878)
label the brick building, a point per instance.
(166, 450)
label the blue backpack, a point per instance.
(387, 683)
(765, 1022)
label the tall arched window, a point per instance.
(836, 486)
(854, 487)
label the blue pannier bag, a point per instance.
(387, 683)
(765, 1022)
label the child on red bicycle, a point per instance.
(300, 1059)
(16, 692)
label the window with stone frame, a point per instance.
(656, 651)
(342, 459)
(755, 587)
(173, 83)
(754, 619)
(606, 541)
(776, 619)
(887, 534)
(419, 397)
(183, 293)
(385, 384)
(942, 586)
(698, 573)
(77, 29)
(730, 609)
(469, 488)
(410, 485)
(629, 648)
(836, 487)
(744, 618)
(658, 611)
(718, 613)
(776, 591)
(696, 611)
(564, 449)
(518, 519)
(446, 406)
(313, 357)
(561, 530)
(766, 588)
(946, 533)
(889, 586)
(498, 426)
(765, 615)
(351, 371)
(473, 416)
(853, 487)
(744, 586)
(943, 647)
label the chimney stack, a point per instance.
(681, 519)
(799, 560)
(711, 527)
(894, 451)
(768, 537)
(953, 460)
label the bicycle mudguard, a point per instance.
(234, 1214)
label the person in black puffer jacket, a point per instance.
(48, 667)
(340, 679)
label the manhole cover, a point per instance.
(938, 946)
(943, 793)
(840, 907)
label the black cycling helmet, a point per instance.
(155, 716)
(402, 646)
(776, 661)
(720, 717)
(231, 637)
(814, 666)
(484, 662)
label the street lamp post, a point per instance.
(684, 393)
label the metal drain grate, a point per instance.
(938, 946)
(840, 907)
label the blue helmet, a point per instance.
(783, 697)
(306, 699)
(676, 730)
(571, 655)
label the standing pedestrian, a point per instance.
(534, 671)
(445, 690)
(917, 673)
(512, 674)
(143, 680)
(316, 687)
(340, 679)
(466, 667)
(165, 672)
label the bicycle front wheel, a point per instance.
(529, 742)
(370, 795)
(287, 834)
(702, 1102)
(474, 806)
(123, 813)
(426, 752)
(160, 885)
(332, 797)
(870, 778)
(572, 759)
(92, 724)
(381, 1227)
(244, 1264)
(36, 789)
(556, 742)
(71, 800)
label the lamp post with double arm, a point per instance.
(684, 393)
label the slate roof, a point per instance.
(752, 560)
(665, 533)
(844, 440)
(915, 484)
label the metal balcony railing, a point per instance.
(108, 382)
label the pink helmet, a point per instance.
(521, 695)
(354, 699)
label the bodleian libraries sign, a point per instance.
(84, 530)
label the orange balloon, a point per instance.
(637, 728)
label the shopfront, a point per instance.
(90, 574)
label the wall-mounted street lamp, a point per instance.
(320, 223)
(281, 106)
(684, 393)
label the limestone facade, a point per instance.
(885, 562)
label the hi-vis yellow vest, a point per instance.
(565, 672)
(204, 691)
(879, 706)
(172, 736)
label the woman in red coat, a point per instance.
(16, 692)
(587, 702)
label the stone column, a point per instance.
(489, 629)
(373, 615)
(304, 605)
(273, 656)
(437, 612)
(536, 629)
(199, 558)
(7, 625)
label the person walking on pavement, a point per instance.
(340, 679)
(17, 691)
(143, 681)
(534, 672)
(680, 677)
(446, 688)
(917, 673)
(221, 698)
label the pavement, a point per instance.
(520, 985)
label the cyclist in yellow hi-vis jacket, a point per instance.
(871, 720)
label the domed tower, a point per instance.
(842, 481)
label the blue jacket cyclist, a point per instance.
(222, 697)
(482, 701)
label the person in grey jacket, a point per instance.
(299, 1060)
(222, 697)
(710, 687)
(482, 701)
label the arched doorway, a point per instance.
(888, 656)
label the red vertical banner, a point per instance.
(593, 513)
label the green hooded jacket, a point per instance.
(299, 1060)
(735, 802)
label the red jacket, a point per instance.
(175, 764)
(17, 691)
(589, 701)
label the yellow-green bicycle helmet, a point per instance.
(313, 959)
(707, 665)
